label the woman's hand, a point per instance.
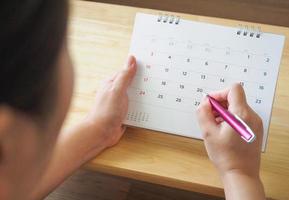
(111, 104)
(227, 149)
(102, 128)
(237, 161)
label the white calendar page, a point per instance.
(179, 59)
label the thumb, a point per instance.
(124, 77)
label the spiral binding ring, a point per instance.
(171, 19)
(242, 30)
(249, 31)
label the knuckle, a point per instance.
(245, 115)
(113, 89)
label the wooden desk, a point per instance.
(99, 40)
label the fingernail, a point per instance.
(130, 62)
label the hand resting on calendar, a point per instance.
(237, 162)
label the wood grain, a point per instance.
(99, 40)
(273, 12)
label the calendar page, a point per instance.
(179, 59)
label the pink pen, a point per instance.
(233, 120)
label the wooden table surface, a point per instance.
(99, 38)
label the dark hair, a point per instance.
(31, 37)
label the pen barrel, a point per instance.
(231, 120)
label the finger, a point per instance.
(215, 113)
(233, 98)
(124, 78)
(220, 95)
(206, 118)
(236, 97)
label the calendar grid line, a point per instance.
(211, 89)
(186, 82)
(210, 74)
(181, 96)
(156, 91)
(212, 60)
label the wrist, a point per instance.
(234, 174)
(109, 129)
(94, 133)
(239, 168)
(240, 185)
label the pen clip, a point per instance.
(247, 128)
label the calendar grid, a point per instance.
(176, 64)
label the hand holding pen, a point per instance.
(221, 139)
(232, 156)
(233, 120)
